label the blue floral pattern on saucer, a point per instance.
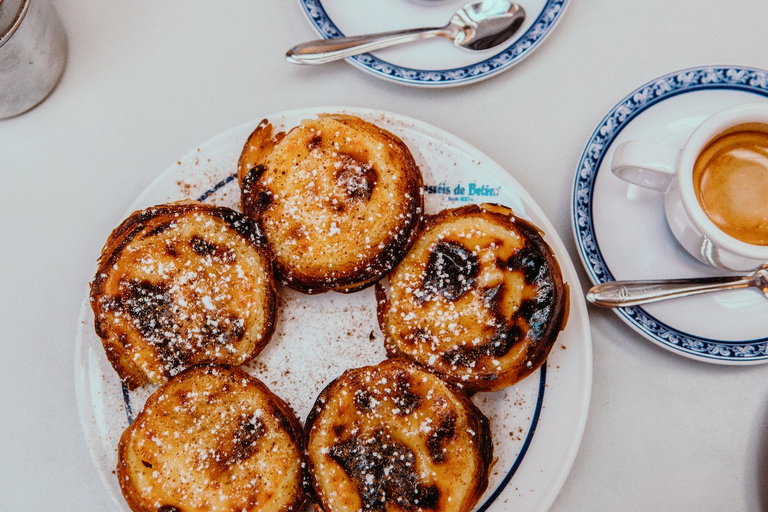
(680, 82)
(542, 26)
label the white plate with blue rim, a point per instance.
(621, 231)
(537, 424)
(429, 63)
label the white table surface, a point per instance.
(147, 81)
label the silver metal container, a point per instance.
(33, 54)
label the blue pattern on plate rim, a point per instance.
(693, 79)
(541, 27)
(130, 416)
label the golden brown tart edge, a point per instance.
(340, 200)
(480, 298)
(213, 438)
(395, 436)
(180, 284)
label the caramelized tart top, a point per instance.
(180, 284)
(480, 298)
(213, 438)
(339, 200)
(396, 437)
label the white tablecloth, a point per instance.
(147, 81)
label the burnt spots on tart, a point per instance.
(480, 298)
(396, 437)
(213, 438)
(180, 284)
(339, 200)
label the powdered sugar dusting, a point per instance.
(318, 337)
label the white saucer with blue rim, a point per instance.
(621, 231)
(431, 63)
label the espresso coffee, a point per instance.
(730, 179)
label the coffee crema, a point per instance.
(730, 179)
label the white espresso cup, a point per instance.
(715, 188)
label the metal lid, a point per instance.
(11, 14)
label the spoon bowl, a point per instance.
(479, 25)
(485, 24)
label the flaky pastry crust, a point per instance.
(396, 437)
(181, 284)
(480, 298)
(213, 439)
(339, 200)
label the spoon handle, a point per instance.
(321, 51)
(614, 294)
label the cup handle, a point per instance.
(646, 164)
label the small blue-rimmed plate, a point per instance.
(621, 231)
(430, 63)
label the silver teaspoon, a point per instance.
(479, 25)
(616, 294)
